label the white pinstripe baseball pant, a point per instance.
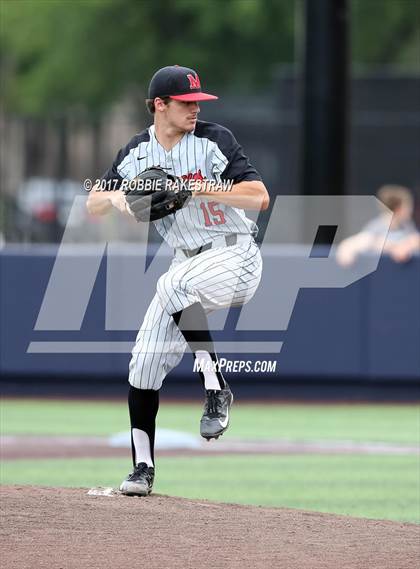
(218, 278)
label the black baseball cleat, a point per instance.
(215, 419)
(140, 481)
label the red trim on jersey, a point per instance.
(193, 176)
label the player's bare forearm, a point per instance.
(245, 195)
(98, 203)
(101, 203)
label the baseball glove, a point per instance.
(154, 194)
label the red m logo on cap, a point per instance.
(194, 81)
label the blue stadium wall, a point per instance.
(368, 331)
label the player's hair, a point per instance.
(150, 104)
(395, 196)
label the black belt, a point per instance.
(229, 239)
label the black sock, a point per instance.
(143, 405)
(193, 324)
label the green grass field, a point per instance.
(378, 486)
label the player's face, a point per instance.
(182, 115)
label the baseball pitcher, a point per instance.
(193, 181)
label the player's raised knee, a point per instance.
(165, 288)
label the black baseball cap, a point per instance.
(179, 83)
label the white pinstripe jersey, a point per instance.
(210, 151)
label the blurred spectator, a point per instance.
(403, 238)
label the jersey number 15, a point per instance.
(217, 215)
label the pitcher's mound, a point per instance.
(69, 529)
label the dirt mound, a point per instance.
(60, 528)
